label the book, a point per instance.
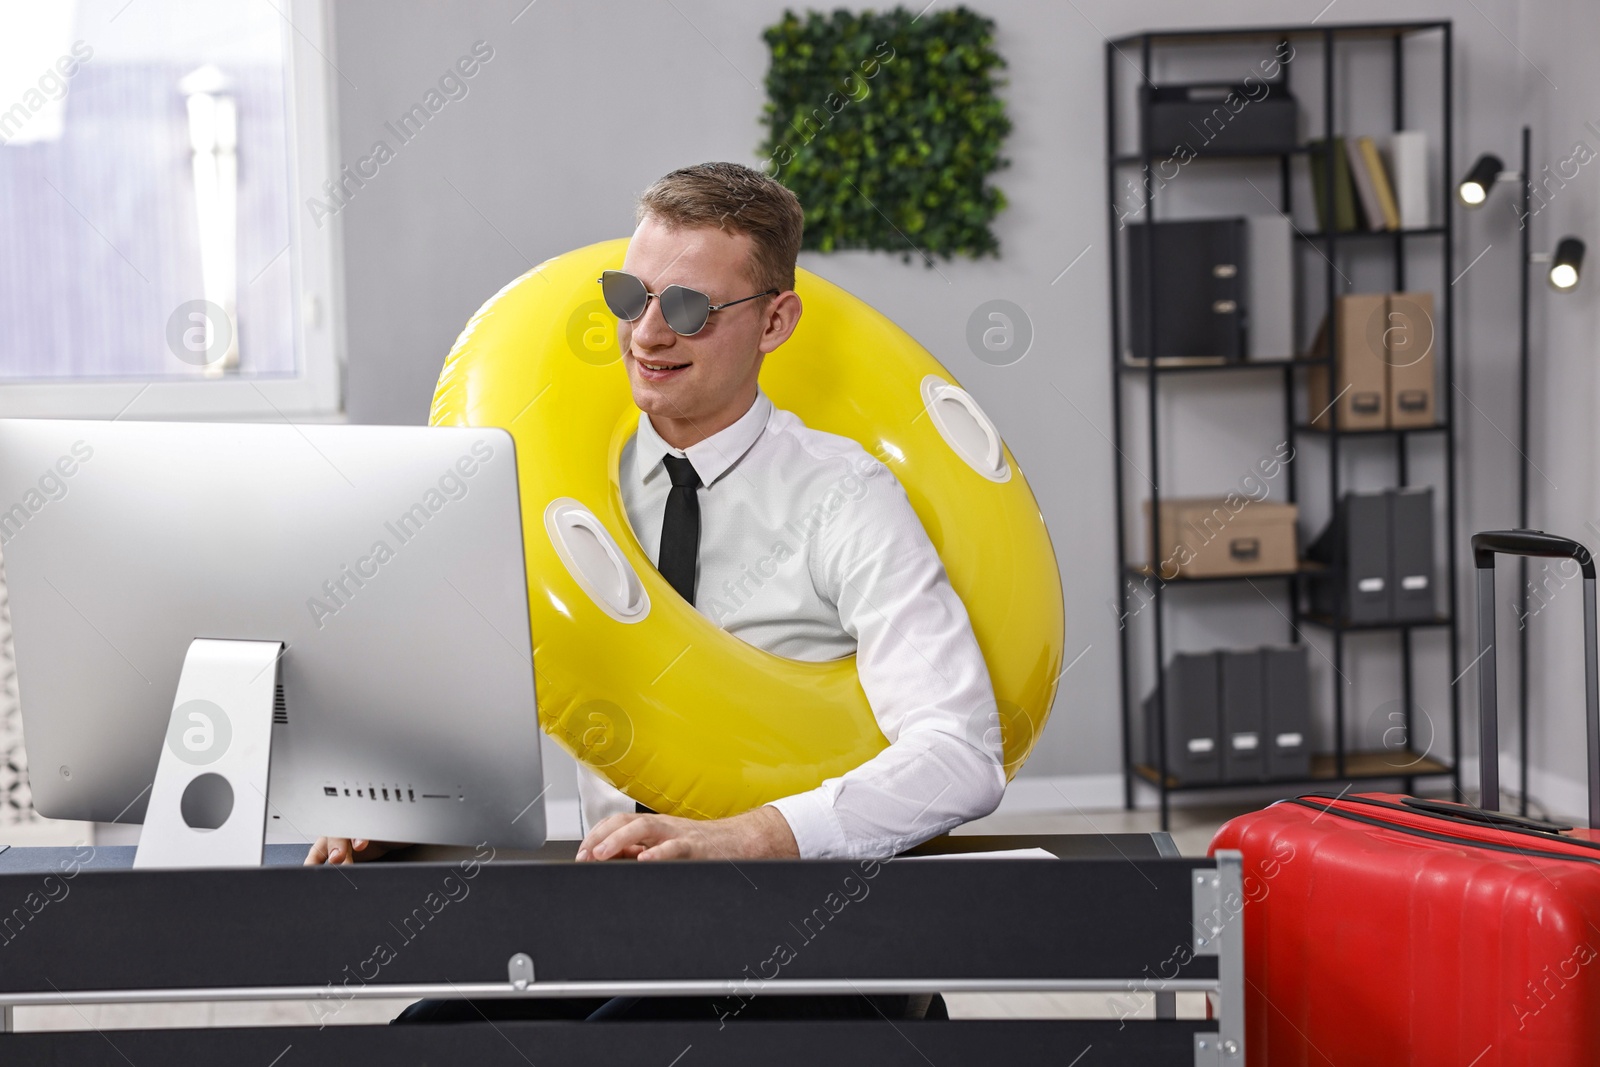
(1380, 183)
(1365, 189)
(1408, 161)
(1344, 197)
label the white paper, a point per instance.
(1003, 854)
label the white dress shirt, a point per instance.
(809, 549)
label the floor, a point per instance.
(1191, 829)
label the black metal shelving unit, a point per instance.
(1342, 765)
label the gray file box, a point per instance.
(1270, 255)
(1202, 119)
(1243, 758)
(1193, 746)
(1356, 548)
(1411, 551)
(1196, 305)
(1286, 683)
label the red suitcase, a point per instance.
(1382, 929)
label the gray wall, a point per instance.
(1561, 92)
(584, 104)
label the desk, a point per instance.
(1064, 846)
(1114, 913)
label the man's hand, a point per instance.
(762, 834)
(346, 850)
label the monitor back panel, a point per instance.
(387, 559)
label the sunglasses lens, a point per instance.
(685, 310)
(624, 294)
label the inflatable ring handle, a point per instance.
(616, 590)
(936, 393)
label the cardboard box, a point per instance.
(1409, 338)
(1360, 369)
(1384, 371)
(1206, 537)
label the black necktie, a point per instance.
(679, 561)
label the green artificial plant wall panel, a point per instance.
(888, 126)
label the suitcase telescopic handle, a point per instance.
(1485, 546)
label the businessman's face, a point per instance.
(694, 386)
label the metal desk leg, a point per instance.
(1219, 931)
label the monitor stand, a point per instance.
(208, 806)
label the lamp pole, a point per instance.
(1565, 263)
(1526, 195)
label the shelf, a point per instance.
(1328, 622)
(1130, 158)
(1131, 153)
(1143, 571)
(1387, 431)
(1184, 364)
(1345, 235)
(1255, 33)
(1383, 764)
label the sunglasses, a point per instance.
(686, 310)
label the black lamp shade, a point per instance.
(1474, 188)
(1566, 263)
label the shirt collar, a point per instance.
(713, 457)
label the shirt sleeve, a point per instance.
(924, 676)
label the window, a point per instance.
(155, 260)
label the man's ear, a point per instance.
(783, 315)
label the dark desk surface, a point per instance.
(711, 925)
(22, 860)
(439, 927)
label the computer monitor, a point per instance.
(380, 567)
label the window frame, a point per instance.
(316, 260)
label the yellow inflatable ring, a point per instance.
(635, 682)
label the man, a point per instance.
(712, 477)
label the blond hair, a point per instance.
(735, 198)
